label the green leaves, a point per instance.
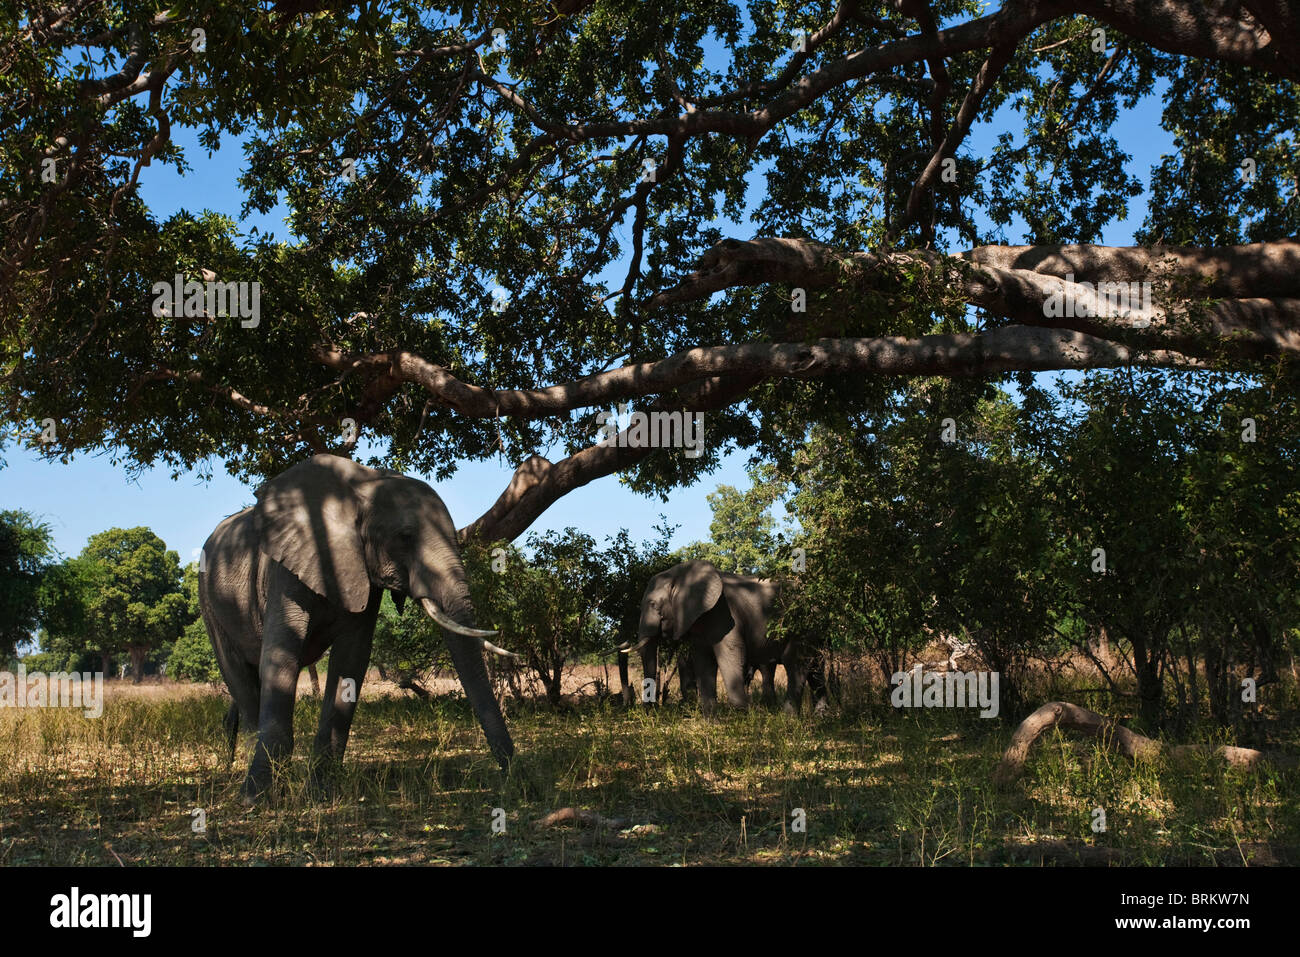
(126, 590)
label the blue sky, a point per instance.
(91, 494)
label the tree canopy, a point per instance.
(509, 216)
(125, 593)
(26, 554)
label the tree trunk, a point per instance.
(1215, 687)
(1148, 682)
(553, 679)
(138, 654)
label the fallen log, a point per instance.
(1114, 735)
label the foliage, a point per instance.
(408, 644)
(26, 553)
(993, 538)
(121, 594)
(562, 599)
(192, 657)
(743, 536)
(521, 167)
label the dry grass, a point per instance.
(418, 787)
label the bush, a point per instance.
(192, 658)
(407, 645)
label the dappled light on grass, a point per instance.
(419, 787)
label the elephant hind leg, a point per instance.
(241, 676)
(242, 680)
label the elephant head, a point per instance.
(674, 600)
(343, 530)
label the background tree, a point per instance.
(1244, 497)
(743, 535)
(407, 645)
(125, 597)
(26, 553)
(68, 590)
(924, 523)
(548, 602)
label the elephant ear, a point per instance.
(308, 518)
(698, 588)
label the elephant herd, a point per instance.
(722, 620)
(304, 569)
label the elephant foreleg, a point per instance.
(349, 658)
(802, 667)
(649, 695)
(730, 655)
(706, 679)
(686, 686)
(624, 682)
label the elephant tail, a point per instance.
(231, 724)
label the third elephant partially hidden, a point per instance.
(723, 619)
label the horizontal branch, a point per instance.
(538, 484)
(1004, 349)
(1245, 270)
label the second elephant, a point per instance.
(724, 620)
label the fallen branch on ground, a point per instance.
(1117, 737)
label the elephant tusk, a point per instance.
(496, 650)
(642, 643)
(434, 612)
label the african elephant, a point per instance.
(724, 619)
(303, 571)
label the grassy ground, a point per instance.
(876, 787)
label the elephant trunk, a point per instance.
(467, 656)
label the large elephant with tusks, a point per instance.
(303, 571)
